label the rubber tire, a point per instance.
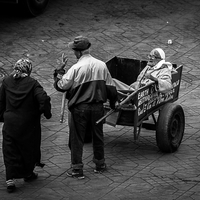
(33, 8)
(170, 128)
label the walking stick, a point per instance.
(64, 61)
(63, 107)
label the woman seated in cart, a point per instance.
(157, 70)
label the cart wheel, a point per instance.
(34, 7)
(170, 127)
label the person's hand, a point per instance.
(114, 105)
(135, 85)
(60, 69)
(59, 72)
(149, 76)
(117, 105)
(64, 59)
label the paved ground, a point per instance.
(126, 28)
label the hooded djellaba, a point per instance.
(22, 102)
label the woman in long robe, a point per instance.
(22, 101)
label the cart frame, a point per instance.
(146, 101)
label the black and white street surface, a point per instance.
(126, 28)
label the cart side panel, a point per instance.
(112, 66)
(124, 69)
(150, 100)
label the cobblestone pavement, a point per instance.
(126, 28)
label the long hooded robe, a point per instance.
(22, 101)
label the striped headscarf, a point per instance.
(22, 68)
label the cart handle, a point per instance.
(119, 106)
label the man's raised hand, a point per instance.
(64, 59)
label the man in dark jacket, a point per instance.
(22, 101)
(88, 84)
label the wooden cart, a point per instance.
(168, 117)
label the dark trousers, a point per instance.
(82, 116)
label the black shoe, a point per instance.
(75, 173)
(10, 185)
(32, 177)
(100, 168)
(11, 188)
